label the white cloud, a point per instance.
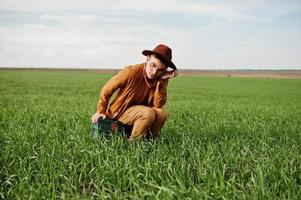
(113, 33)
(67, 18)
(206, 8)
(35, 26)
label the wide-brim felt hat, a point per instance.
(163, 53)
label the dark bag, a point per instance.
(107, 127)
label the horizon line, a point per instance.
(187, 69)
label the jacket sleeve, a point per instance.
(160, 94)
(116, 82)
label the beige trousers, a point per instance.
(143, 119)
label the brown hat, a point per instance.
(163, 53)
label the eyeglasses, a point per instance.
(154, 66)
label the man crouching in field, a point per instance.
(142, 93)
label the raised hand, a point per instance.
(170, 74)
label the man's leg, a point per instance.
(143, 119)
(161, 117)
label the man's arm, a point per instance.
(160, 94)
(108, 89)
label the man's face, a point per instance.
(154, 67)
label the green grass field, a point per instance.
(226, 138)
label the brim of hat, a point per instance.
(161, 57)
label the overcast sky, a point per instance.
(249, 34)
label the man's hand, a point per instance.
(170, 74)
(96, 116)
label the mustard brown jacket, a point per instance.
(134, 88)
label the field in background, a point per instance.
(230, 138)
(280, 74)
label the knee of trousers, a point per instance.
(149, 115)
(161, 114)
